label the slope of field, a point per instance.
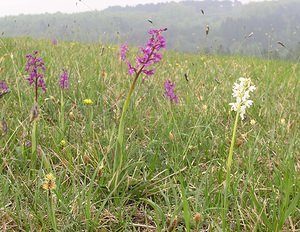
(267, 22)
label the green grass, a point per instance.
(178, 153)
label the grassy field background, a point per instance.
(178, 153)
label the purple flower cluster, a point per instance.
(54, 42)
(123, 51)
(169, 91)
(150, 54)
(35, 68)
(64, 80)
(3, 88)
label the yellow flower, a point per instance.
(49, 182)
(282, 121)
(204, 107)
(62, 143)
(252, 122)
(87, 101)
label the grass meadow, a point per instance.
(174, 177)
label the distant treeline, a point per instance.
(265, 29)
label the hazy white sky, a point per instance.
(15, 7)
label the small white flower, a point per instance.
(241, 91)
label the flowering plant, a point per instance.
(36, 68)
(64, 80)
(169, 91)
(241, 91)
(149, 55)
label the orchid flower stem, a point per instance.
(119, 155)
(228, 168)
(62, 113)
(34, 141)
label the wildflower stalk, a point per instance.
(228, 168)
(62, 112)
(89, 118)
(64, 85)
(91, 115)
(34, 126)
(118, 160)
(34, 140)
(34, 115)
(34, 133)
(241, 91)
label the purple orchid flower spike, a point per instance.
(36, 68)
(3, 89)
(149, 54)
(64, 80)
(169, 92)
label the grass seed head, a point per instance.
(198, 218)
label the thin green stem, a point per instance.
(228, 169)
(91, 130)
(119, 154)
(34, 140)
(62, 112)
(119, 149)
(36, 89)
